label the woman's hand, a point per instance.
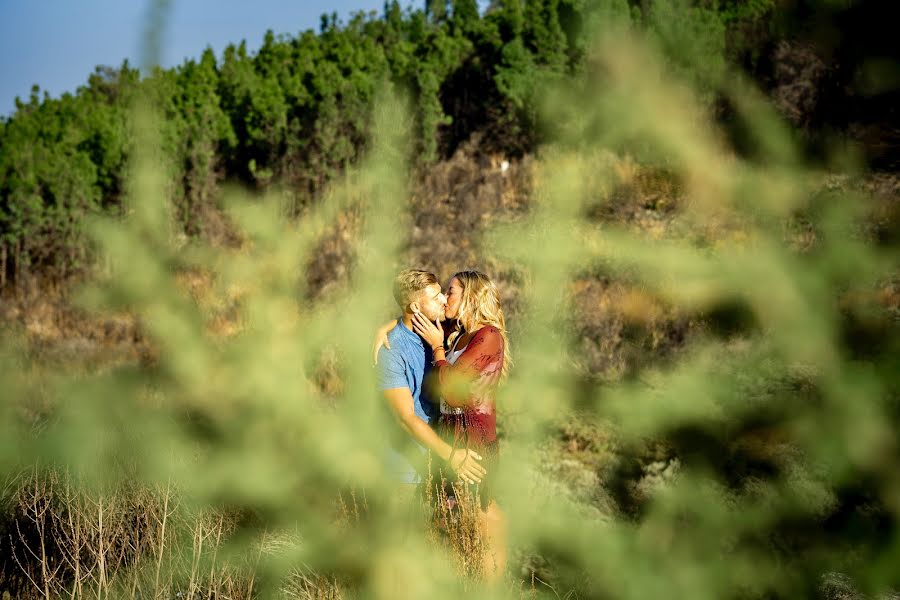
(432, 333)
(381, 339)
(464, 463)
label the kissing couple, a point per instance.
(439, 365)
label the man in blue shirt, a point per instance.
(402, 370)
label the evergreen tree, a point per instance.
(436, 10)
(464, 15)
(297, 110)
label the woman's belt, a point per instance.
(446, 409)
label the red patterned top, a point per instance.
(470, 383)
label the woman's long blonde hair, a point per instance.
(480, 306)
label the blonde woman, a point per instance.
(468, 366)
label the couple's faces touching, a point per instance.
(432, 303)
(454, 298)
(436, 306)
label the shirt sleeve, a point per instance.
(391, 370)
(478, 367)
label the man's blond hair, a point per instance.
(409, 284)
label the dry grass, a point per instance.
(62, 540)
(454, 523)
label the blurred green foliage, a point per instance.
(777, 423)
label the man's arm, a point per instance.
(463, 462)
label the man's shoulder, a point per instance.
(399, 346)
(400, 362)
(403, 338)
(396, 332)
(405, 347)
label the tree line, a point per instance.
(296, 111)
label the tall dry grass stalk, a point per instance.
(453, 522)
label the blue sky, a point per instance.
(57, 43)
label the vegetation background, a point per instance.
(691, 210)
